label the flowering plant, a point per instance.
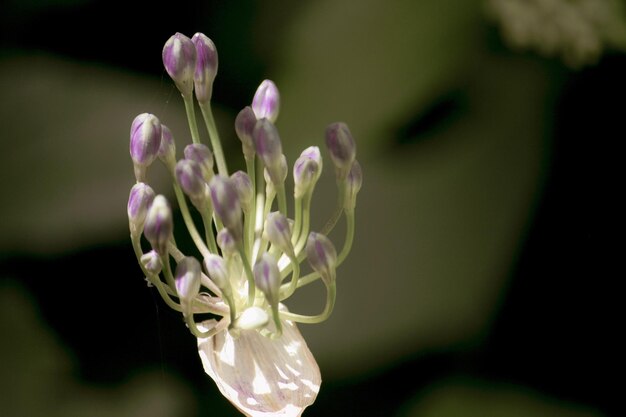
(251, 250)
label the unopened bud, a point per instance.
(268, 147)
(278, 232)
(145, 140)
(167, 149)
(244, 126)
(206, 67)
(179, 59)
(267, 278)
(188, 278)
(243, 184)
(217, 271)
(306, 170)
(266, 101)
(158, 227)
(139, 201)
(189, 176)
(322, 256)
(151, 262)
(341, 147)
(226, 242)
(201, 154)
(226, 204)
(354, 180)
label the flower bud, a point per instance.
(226, 242)
(267, 278)
(151, 262)
(243, 184)
(354, 180)
(167, 149)
(179, 59)
(188, 278)
(206, 67)
(218, 272)
(322, 256)
(278, 232)
(266, 101)
(145, 140)
(268, 147)
(189, 176)
(158, 227)
(226, 204)
(201, 154)
(306, 170)
(341, 147)
(244, 126)
(139, 201)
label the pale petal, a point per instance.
(260, 376)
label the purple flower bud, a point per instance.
(267, 278)
(167, 149)
(139, 201)
(226, 242)
(354, 180)
(151, 262)
(278, 232)
(218, 272)
(266, 101)
(158, 227)
(203, 156)
(188, 278)
(341, 147)
(244, 126)
(243, 184)
(206, 67)
(179, 59)
(322, 256)
(268, 147)
(225, 200)
(189, 176)
(145, 139)
(306, 170)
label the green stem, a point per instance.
(328, 309)
(209, 121)
(191, 118)
(184, 209)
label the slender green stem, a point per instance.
(191, 118)
(293, 284)
(328, 309)
(297, 221)
(207, 220)
(276, 315)
(249, 275)
(193, 327)
(282, 199)
(251, 216)
(209, 121)
(332, 221)
(184, 209)
(347, 244)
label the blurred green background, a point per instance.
(483, 278)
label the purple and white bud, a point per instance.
(268, 147)
(201, 154)
(206, 67)
(267, 278)
(139, 201)
(244, 126)
(145, 140)
(217, 271)
(306, 170)
(167, 149)
(278, 231)
(151, 262)
(226, 204)
(266, 101)
(354, 180)
(322, 256)
(341, 147)
(179, 59)
(190, 179)
(243, 184)
(188, 278)
(226, 242)
(158, 227)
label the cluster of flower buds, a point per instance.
(251, 249)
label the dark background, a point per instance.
(555, 331)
